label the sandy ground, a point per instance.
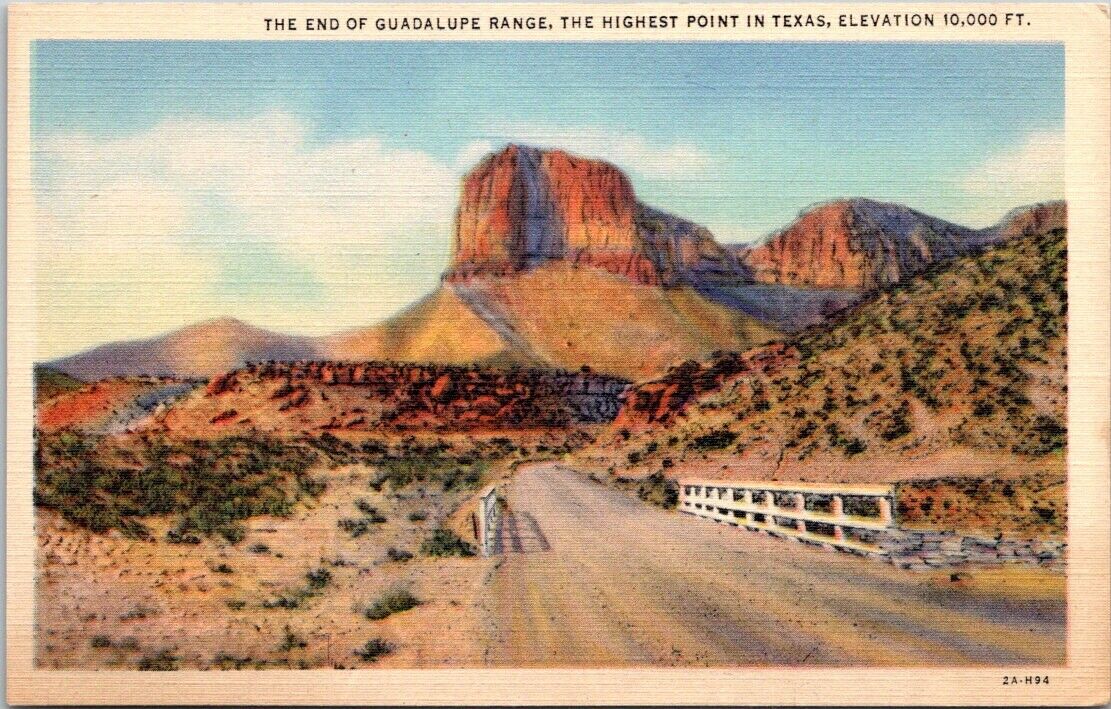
(104, 601)
(593, 577)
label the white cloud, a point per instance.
(139, 234)
(632, 153)
(1031, 171)
(471, 153)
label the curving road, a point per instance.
(592, 577)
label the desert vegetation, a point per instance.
(395, 600)
(255, 545)
(1031, 505)
(967, 356)
(49, 383)
(208, 487)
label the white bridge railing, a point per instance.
(488, 521)
(843, 516)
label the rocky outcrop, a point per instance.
(1032, 220)
(659, 402)
(685, 251)
(523, 207)
(857, 244)
(427, 395)
(918, 550)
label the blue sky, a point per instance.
(737, 136)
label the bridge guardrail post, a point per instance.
(488, 521)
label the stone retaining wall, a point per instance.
(922, 550)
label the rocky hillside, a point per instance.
(49, 383)
(864, 245)
(552, 316)
(315, 396)
(1030, 221)
(523, 207)
(967, 356)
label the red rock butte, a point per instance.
(522, 207)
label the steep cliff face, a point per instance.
(523, 207)
(858, 244)
(685, 251)
(863, 245)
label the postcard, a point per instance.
(558, 354)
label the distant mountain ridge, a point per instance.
(556, 263)
(200, 350)
(863, 244)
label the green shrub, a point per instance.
(374, 649)
(855, 447)
(398, 554)
(659, 490)
(354, 527)
(715, 440)
(291, 641)
(176, 536)
(319, 578)
(899, 425)
(164, 661)
(288, 601)
(392, 601)
(428, 464)
(370, 512)
(211, 486)
(444, 542)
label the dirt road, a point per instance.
(592, 577)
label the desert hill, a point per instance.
(106, 406)
(861, 244)
(557, 315)
(199, 350)
(968, 356)
(839, 253)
